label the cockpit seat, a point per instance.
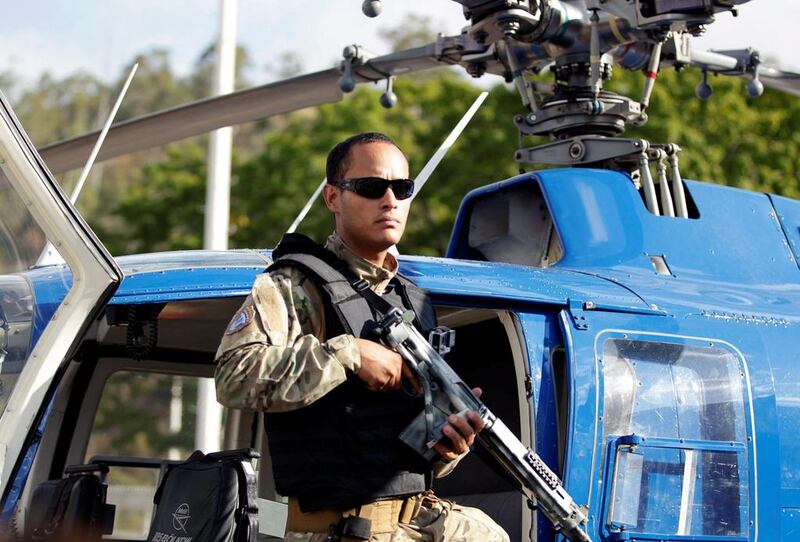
(208, 498)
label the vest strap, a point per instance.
(343, 295)
(350, 295)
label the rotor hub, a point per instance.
(575, 113)
(575, 73)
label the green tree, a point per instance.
(155, 85)
(200, 80)
(270, 188)
(165, 211)
(414, 32)
(287, 64)
(55, 109)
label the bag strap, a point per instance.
(247, 513)
(58, 504)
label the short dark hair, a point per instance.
(338, 161)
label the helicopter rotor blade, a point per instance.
(714, 62)
(197, 118)
(785, 81)
(250, 104)
(746, 63)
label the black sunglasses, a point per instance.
(375, 187)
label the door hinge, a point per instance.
(576, 314)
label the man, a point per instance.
(300, 349)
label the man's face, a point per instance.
(370, 225)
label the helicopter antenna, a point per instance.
(433, 163)
(307, 207)
(90, 162)
(426, 171)
(49, 256)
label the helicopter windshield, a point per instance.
(16, 322)
(21, 242)
(21, 239)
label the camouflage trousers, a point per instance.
(438, 520)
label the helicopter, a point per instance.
(636, 330)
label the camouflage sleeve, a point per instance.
(442, 468)
(271, 357)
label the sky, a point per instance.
(102, 36)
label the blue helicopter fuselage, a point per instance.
(671, 343)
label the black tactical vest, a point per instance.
(342, 451)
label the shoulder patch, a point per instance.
(240, 319)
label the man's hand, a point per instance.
(460, 433)
(382, 369)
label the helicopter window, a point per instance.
(16, 320)
(674, 415)
(164, 425)
(21, 239)
(21, 243)
(673, 391)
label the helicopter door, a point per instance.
(659, 430)
(675, 438)
(43, 312)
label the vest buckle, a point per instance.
(360, 285)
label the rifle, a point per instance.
(445, 394)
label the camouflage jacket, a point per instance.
(273, 357)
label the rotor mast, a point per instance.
(580, 41)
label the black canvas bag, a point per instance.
(207, 498)
(72, 508)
